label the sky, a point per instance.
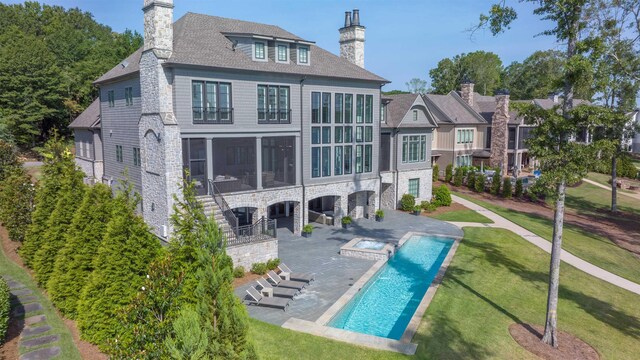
(404, 38)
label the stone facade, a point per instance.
(500, 134)
(341, 191)
(466, 92)
(94, 169)
(387, 196)
(352, 40)
(426, 184)
(246, 255)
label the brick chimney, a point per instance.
(500, 132)
(352, 38)
(158, 131)
(466, 91)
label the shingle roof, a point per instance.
(90, 117)
(398, 107)
(451, 109)
(128, 66)
(199, 40)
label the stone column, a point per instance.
(297, 218)
(466, 92)
(500, 133)
(372, 204)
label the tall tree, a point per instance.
(481, 67)
(552, 147)
(536, 76)
(417, 86)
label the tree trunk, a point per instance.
(614, 188)
(550, 329)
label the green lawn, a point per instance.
(462, 216)
(601, 179)
(585, 245)
(590, 199)
(495, 279)
(69, 350)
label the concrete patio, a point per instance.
(334, 274)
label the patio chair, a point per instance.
(277, 281)
(276, 291)
(274, 302)
(290, 275)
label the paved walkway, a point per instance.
(500, 222)
(633, 195)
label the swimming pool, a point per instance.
(385, 304)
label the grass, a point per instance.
(583, 244)
(68, 348)
(590, 199)
(462, 216)
(602, 179)
(495, 279)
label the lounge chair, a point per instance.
(290, 275)
(276, 291)
(274, 302)
(277, 281)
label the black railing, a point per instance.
(212, 115)
(228, 214)
(274, 116)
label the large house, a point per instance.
(270, 127)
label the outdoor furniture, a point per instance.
(267, 288)
(274, 302)
(277, 281)
(287, 274)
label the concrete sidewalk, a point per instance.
(500, 222)
(635, 196)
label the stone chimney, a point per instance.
(466, 91)
(158, 131)
(352, 38)
(500, 133)
(555, 96)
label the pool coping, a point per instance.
(404, 345)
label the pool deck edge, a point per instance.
(350, 337)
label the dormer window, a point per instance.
(303, 55)
(283, 53)
(415, 115)
(259, 51)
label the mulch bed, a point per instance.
(247, 278)
(445, 209)
(569, 347)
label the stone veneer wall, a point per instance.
(466, 93)
(500, 134)
(352, 44)
(93, 169)
(246, 255)
(342, 190)
(426, 184)
(387, 196)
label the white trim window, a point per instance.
(414, 148)
(282, 53)
(259, 51)
(463, 160)
(303, 55)
(464, 136)
(414, 187)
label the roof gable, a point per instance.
(89, 118)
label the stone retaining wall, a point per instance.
(246, 255)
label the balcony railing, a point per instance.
(274, 116)
(212, 115)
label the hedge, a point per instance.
(5, 309)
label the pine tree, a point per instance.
(57, 159)
(16, 203)
(70, 195)
(496, 182)
(74, 262)
(120, 267)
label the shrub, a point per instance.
(273, 264)
(458, 177)
(380, 213)
(259, 268)
(479, 183)
(16, 203)
(424, 205)
(429, 206)
(407, 202)
(5, 309)
(417, 208)
(507, 190)
(448, 173)
(436, 173)
(346, 220)
(307, 229)
(190, 339)
(442, 196)
(8, 159)
(519, 188)
(238, 272)
(496, 181)
(471, 179)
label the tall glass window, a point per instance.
(326, 161)
(315, 162)
(348, 134)
(326, 108)
(283, 51)
(368, 158)
(368, 114)
(368, 133)
(338, 134)
(359, 109)
(315, 107)
(326, 135)
(337, 169)
(196, 99)
(303, 55)
(339, 109)
(348, 108)
(259, 50)
(315, 135)
(414, 148)
(359, 133)
(348, 159)
(211, 102)
(358, 159)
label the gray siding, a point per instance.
(84, 144)
(97, 145)
(120, 127)
(414, 165)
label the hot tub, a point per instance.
(368, 249)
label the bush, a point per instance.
(16, 203)
(8, 159)
(448, 173)
(5, 309)
(436, 173)
(458, 176)
(238, 272)
(471, 179)
(478, 186)
(496, 181)
(507, 190)
(417, 208)
(307, 229)
(519, 188)
(428, 206)
(442, 196)
(273, 264)
(346, 220)
(407, 202)
(424, 205)
(380, 213)
(259, 268)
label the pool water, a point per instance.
(385, 305)
(370, 244)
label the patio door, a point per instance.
(194, 159)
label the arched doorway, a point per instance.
(287, 214)
(324, 209)
(361, 204)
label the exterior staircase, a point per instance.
(211, 209)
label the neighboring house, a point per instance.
(405, 149)
(268, 124)
(88, 142)
(632, 144)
